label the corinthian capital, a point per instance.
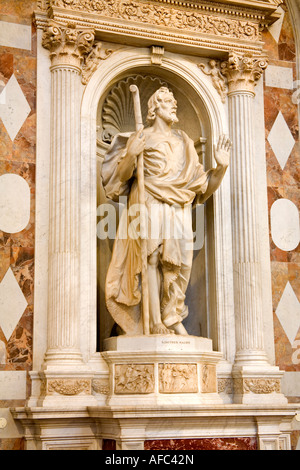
(67, 44)
(243, 71)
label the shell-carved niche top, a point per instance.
(118, 111)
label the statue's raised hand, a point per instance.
(222, 151)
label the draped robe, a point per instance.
(174, 180)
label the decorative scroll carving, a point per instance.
(134, 378)
(67, 45)
(243, 71)
(93, 59)
(69, 386)
(157, 54)
(257, 386)
(118, 111)
(177, 17)
(178, 378)
(218, 79)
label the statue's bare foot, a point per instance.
(160, 329)
(179, 329)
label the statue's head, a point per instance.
(162, 103)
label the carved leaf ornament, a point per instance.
(172, 17)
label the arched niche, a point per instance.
(203, 117)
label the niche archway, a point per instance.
(197, 97)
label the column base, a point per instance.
(258, 384)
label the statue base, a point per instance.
(159, 370)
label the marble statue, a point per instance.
(174, 179)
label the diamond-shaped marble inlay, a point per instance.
(12, 303)
(281, 140)
(288, 313)
(15, 109)
(275, 28)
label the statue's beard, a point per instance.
(170, 118)
(174, 119)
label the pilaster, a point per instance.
(254, 378)
(64, 372)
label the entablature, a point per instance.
(207, 27)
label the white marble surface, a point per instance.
(281, 140)
(12, 385)
(158, 343)
(285, 227)
(275, 28)
(288, 312)
(2, 353)
(279, 77)
(12, 303)
(15, 35)
(14, 108)
(291, 384)
(14, 203)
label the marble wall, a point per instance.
(283, 172)
(17, 208)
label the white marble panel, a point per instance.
(12, 385)
(275, 28)
(279, 77)
(291, 384)
(2, 353)
(14, 108)
(288, 312)
(281, 140)
(285, 227)
(14, 203)
(12, 303)
(15, 35)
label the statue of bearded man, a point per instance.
(174, 179)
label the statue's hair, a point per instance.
(154, 101)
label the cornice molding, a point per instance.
(220, 26)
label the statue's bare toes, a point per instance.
(160, 329)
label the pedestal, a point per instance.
(160, 370)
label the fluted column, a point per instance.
(67, 46)
(251, 363)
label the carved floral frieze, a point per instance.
(257, 386)
(69, 387)
(180, 17)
